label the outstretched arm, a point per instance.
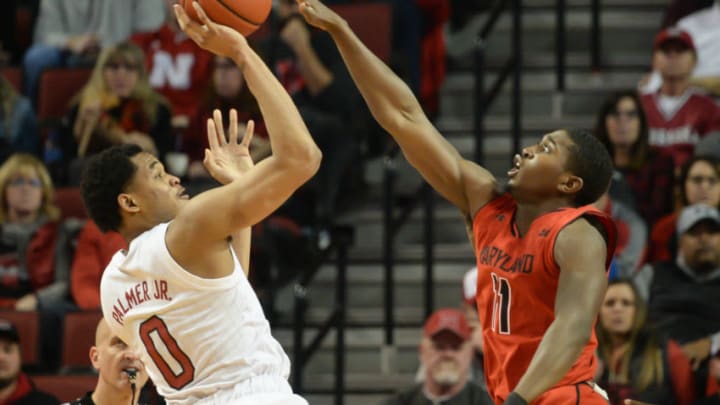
(580, 292)
(246, 199)
(394, 106)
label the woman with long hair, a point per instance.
(117, 106)
(28, 233)
(634, 363)
(698, 183)
(622, 127)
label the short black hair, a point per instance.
(589, 160)
(105, 176)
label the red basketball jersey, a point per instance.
(517, 284)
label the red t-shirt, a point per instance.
(177, 68)
(696, 116)
(517, 285)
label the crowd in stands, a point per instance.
(145, 82)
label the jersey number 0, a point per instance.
(187, 373)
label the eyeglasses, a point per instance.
(21, 181)
(118, 65)
(626, 114)
(698, 180)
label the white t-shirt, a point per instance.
(198, 338)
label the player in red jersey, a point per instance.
(542, 253)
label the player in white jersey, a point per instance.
(179, 294)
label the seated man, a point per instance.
(15, 387)
(445, 356)
(121, 373)
(682, 295)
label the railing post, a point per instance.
(480, 104)
(560, 31)
(298, 330)
(340, 302)
(388, 246)
(595, 36)
(429, 237)
(517, 73)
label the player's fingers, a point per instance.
(249, 131)
(233, 131)
(212, 134)
(220, 128)
(182, 17)
(202, 16)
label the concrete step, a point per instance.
(463, 83)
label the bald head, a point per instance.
(102, 332)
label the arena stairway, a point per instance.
(628, 28)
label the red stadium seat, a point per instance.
(70, 202)
(65, 387)
(371, 22)
(78, 337)
(28, 327)
(57, 88)
(14, 76)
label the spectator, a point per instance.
(16, 387)
(683, 293)
(308, 65)
(116, 106)
(445, 355)
(227, 91)
(631, 237)
(114, 361)
(702, 22)
(677, 115)
(634, 363)
(71, 33)
(699, 183)
(92, 254)
(622, 127)
(178, 68)
(28, 221)
(18, 125)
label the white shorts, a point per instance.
(265, 390)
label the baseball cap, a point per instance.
(693, 214)
(8, 331)
(449, 319)
(674, 34)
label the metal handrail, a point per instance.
(342, 239)
(513, 65)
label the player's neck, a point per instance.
(104, 394)
(526, 213)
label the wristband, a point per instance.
(514, 399)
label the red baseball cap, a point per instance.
(674, 34)
(449, 319)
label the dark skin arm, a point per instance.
(464, 183)
(581, 289)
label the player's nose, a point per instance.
(527, 153)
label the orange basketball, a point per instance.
(243, 15)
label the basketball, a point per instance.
(245, 16)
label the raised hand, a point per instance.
(227, 160)
(318, 15)
(216, 38)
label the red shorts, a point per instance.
(578, 394)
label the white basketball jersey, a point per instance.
(197, 337)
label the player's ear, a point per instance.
(570, 184)
(127, 202)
